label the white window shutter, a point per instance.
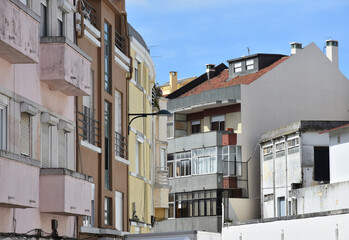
(45, 145)
(118, 210)
(25, 134)
(62, 149)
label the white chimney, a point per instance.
(210, 70)
(332, 51)
(173, 81)
(295, 47)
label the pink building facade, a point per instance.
(42, 71)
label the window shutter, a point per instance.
(62, 163)
(25, 134)
(118, 210)
(45, 145)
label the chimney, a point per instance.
(210, 70)
(173, 81)
(295, 47)
(332, 51)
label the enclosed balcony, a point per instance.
(19, 33)
(65, 192)
(161, 187)
(19, 181)
(65, 67)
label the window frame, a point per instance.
(3, 127)
(195, 126)
(221, 123)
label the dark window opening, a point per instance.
(321, 164)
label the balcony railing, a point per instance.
(89, 12)
(161, 176)
(119, 41)
(121, 147)
(89, 126)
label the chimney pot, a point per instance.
(173, 81)
(210, 70)
(295, 47)
(332, 51)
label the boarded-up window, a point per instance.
(25, 134)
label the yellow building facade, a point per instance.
(174, 83)
(140, 136)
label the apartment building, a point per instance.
(140, 136)
(42, 73)
(102, 117)
(219, 118)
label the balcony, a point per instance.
(65, 67)
(161, 188)
(19, 33)
(121, 147)
(19, 181)
(235, 179)
(65, 192)
(88, 127)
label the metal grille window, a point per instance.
(45, 145)
(25, 134)
(107, 57)
(62, 149)
(3, 127)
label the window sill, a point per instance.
(90, 146)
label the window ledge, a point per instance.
(90, 146)
(122, 160)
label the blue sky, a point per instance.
(184, 35)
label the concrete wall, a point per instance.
(237, 209)
(316, 226)
(326, 197)
(339, 148)
(299, 88)
(208, 223)
(196, 182)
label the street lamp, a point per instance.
(139, 115)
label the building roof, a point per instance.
(133, 33)
(196, 82)
(178, 81)
(222, 80)
(302, 126)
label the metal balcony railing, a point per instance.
(89, 12)
(161, 176)
(119, 41)
(88, 126)
(121, 146)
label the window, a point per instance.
(321, 164)
(88, 121)
(107, 142)
(237, 67)
(107, 57)
(89, 220)
(281, 206)
(25, 134)
(268, 152)
(249, 64)
(183, 205)
(107, 211)
(280, 149)
(170, 165)
(171, 205)
(62, 149)
(3, 127)
(60, 23)
(138, 156)
(43, 21)
(46, 145)
(137, 72)
(195, 126)
(183, 163)
(231, 160)
(170, 127)
(118, 210)
(162, 158)
(217, 123)
(293, 145)
(25, 2)
(204, 160)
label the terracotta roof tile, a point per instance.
(222, 81)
